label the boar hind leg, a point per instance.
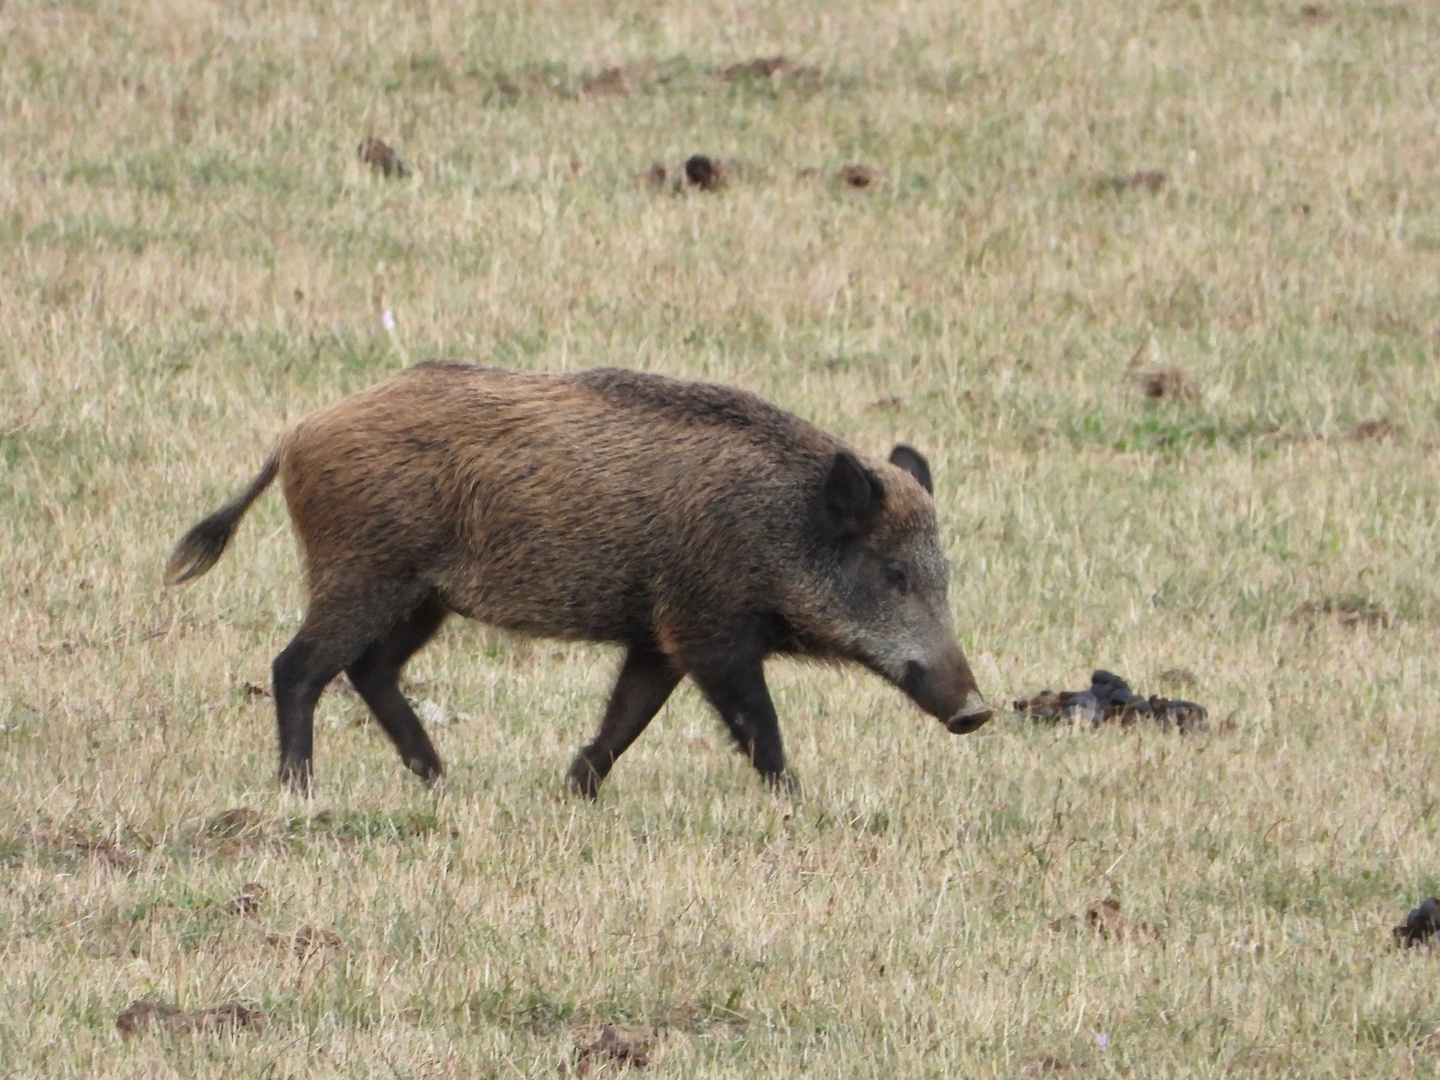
(737, 690)
(340, 626)
(645, 681)
(376, 678)
(301, 674)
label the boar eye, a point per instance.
(897, 576)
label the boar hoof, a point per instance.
(784, 783)
(296, 776)
(429, 771)
(585, 778)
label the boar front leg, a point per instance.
(737, 690)
(645, 682)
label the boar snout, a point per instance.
(949, 693)
(972, 716)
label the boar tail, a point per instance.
(203, 545)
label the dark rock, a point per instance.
(1109, 698)
(1135, 710)
(1421, 925)
(705, 173)
(1112, 692)
(1082, 708)
(1186, 717)
(1043, 706)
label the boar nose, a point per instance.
(973, 715)
(953, 698)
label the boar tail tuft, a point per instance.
(202, 546)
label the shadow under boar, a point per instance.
(694, 524)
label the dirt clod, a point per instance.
(1167, 383)
(237, 821)
(759, 68)
(1347, 611)
(108, 851)
(860, 176)
(142, 1013)
(626, 1043)
(246, 900)
(382, 158)
(1379, 429)
(306, 940)
(1049, 1063)
(1105, 918)
(606, 82)
(1151, 180)
(161, 1015)
(230, 1015)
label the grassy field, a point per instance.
(195, 258)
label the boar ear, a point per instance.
(913, 462)
(853, 496)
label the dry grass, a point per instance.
(196, 257)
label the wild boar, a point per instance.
(695, 525)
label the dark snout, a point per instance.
(973, 715)
(947, 690)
